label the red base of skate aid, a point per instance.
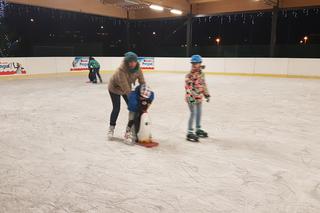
(149, 144)
(144, 134)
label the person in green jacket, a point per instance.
(94, 68)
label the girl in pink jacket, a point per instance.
(196, 91)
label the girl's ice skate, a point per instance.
(201, 134)
(192, 137)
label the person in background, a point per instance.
(196, 90)
(94, 68)
(120, 84)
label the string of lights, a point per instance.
(69, 28)
(244, 18)
(5, 42)
(3, 4)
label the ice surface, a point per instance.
(262, 156)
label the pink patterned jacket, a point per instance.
(196, 87)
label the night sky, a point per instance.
(82, 34)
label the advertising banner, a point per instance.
(11, 68)
(80, 64)
(146, 63)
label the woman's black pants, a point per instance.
(116, 103)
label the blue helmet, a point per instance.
(196, 59)
(145, 91)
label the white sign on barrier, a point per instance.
(146, 63)
(11, 68)
(80, 64)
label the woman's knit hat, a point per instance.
(130, 57)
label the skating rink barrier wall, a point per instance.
(277, 67)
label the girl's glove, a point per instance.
(191, 100)
(207, 98)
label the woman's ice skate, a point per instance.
(110, 132)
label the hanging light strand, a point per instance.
(3, 4)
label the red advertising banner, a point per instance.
(11, 68)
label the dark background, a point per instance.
(61, 33)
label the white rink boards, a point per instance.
(282, 67)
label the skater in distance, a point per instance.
(196, 90)
(120, 84)
(94, 70)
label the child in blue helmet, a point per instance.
(139, 101)
(196, 91)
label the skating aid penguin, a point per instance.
(139, 101)
(144, 134)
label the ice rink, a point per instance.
(263, 154)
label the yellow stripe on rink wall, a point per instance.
(84, 73)
(265, 75)
(46, 75)
(243, 74)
